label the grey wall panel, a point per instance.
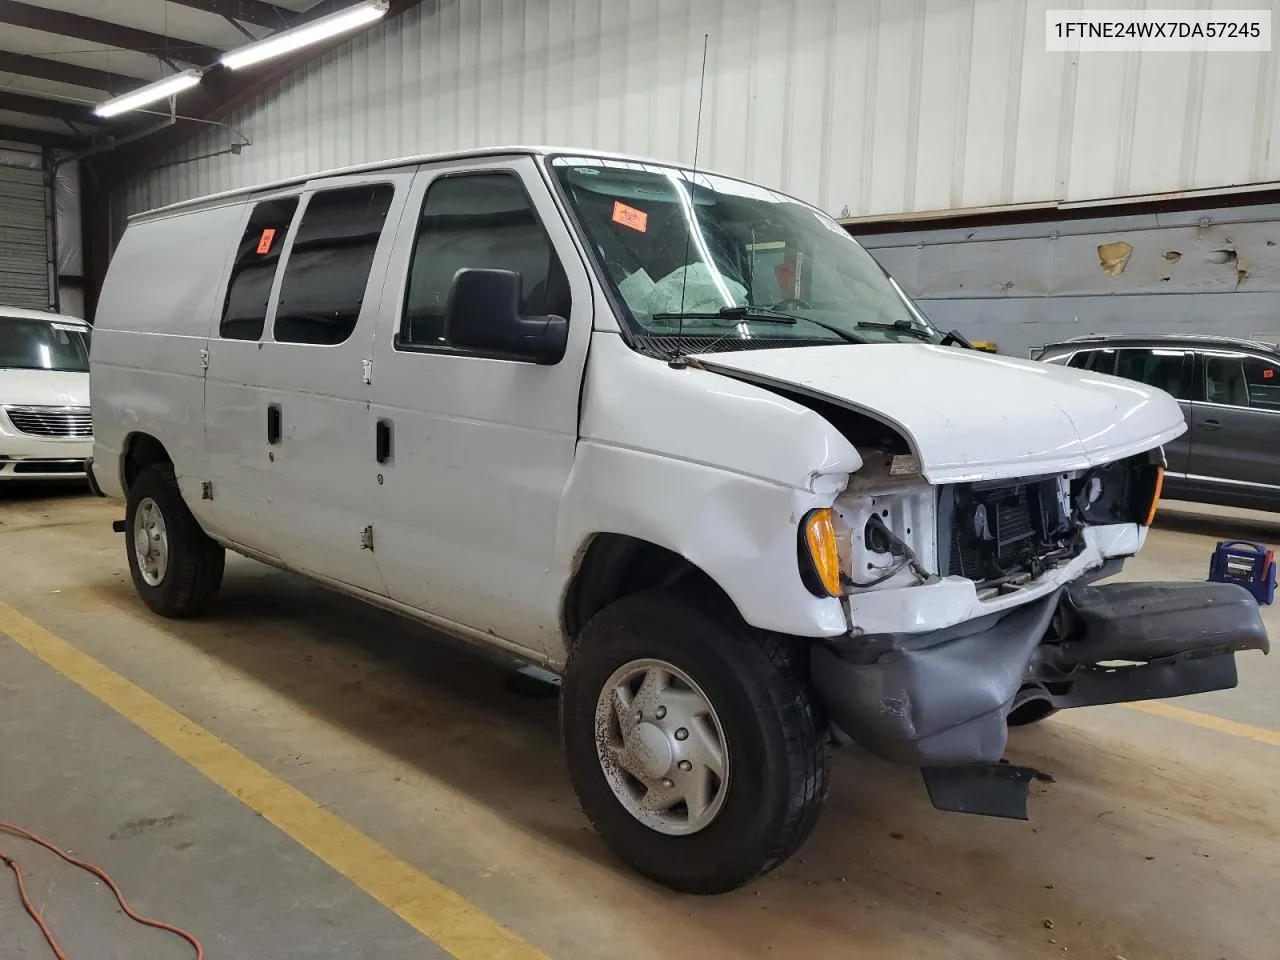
(1018, 325)
(1025, 285)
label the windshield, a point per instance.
(43, 345)
(702, 256)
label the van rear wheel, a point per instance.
(176, 568)
(693, 742)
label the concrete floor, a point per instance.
(1160, 838)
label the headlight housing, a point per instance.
(819, 553)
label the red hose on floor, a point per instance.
(97, 872)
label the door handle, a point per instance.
(382, 442)
(273, 423)
(1211, 424)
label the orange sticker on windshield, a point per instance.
(264, 242)
(630, 217)
(1268, 373)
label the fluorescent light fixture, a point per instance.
(160, 90)
(288, 41)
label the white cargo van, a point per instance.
(672, 435)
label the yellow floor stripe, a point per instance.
(428, 906)
(1246, 730)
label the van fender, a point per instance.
(741, 531)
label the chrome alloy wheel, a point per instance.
(150, 542)
(661, 747)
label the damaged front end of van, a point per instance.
(970, 556)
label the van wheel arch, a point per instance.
(141, 450)
(616, 565)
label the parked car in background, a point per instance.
(46, 432)
(1229, 391)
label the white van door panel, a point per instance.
(296, 430)
(147, 347)
(240, 462)
(482, 447)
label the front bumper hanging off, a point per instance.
(942, 699)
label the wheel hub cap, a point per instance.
(662, 748)
(150, 542)
(650, 749)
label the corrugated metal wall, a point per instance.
(24, 260)
(1204, 271)
(863, 106)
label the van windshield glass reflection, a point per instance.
(703, 255)
(42, 345)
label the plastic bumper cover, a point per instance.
(943, 698)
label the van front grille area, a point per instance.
(998, 530)
(62, 422)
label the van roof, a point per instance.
(473, 154)
(22, 313)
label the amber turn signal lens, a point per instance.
(823, 551)
(1155, 497)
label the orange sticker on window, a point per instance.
(630, 217)
(264, 241)
(1268, 373)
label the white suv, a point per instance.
(673, 435)
(46, 432)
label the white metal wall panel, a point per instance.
(866, 107)
(24, 264)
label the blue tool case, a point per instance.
(1251, 565)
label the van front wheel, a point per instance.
(692, 742)
(176, 568)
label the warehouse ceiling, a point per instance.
(58, 58)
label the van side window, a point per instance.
(328, 267)
(478, 220)
(249, 288)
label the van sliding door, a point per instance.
(312, 413)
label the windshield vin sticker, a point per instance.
(637, 220)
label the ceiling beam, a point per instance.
(27, 66)
(18, 14)
(246, 11)
(220, 94)
(43, 107)
(41, 138)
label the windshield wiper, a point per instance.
(736, 314)
(898, 326)
(956, 337)
(750, 312)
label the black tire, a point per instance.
(1031, 712)
(775, 737)
(193, 573)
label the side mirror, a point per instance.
(483, 313)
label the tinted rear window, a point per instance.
(249, 288)
(329, 262)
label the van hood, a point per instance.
(970, 415)
(44, 388)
